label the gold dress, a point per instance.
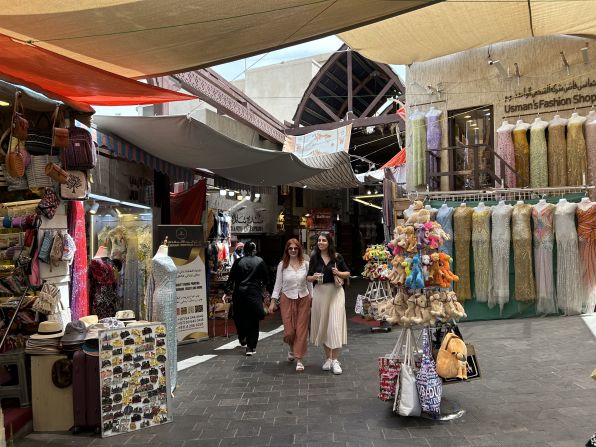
(557, 155)
(522, 156)
(521, 235)
(462, 222)
(576, 152)
(481, 244)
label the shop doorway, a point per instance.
(471, 148)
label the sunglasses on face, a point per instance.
(292, 248)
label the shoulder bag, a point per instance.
(59, 134)
(76, 186)
(80, 153)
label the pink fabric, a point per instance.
(506, 151)
(79, 296)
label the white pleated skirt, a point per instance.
(328, 324)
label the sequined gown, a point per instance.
(433, 142)
(161, 305)
(522, 156)
(522, 252)
(418, 150)
(576, 152)
(462, 222)
(569, 290)
(538, 157)
(507, 153)
(445, 218)
(103, 279)
(586, 231)
(544, 240)
(591, 149)
(482, 254)
(557, 154)
(501, 251)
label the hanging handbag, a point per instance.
(48, 300)
(76, 186)
(48, 204)
(451, 357)
(57, 250)
(46, 246)
(15, 160)
(473, 367)
(36, 172)
(61, 315)
(359, 307)
(389, 368)
(19, 122)
(39, 138)
(80, 153)
(428, 382)
(407, 400)
(59, 134)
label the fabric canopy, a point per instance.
(454, 25)
(397, 160)
(72, 82)
(337, 174)
(143, 38)
(186, 142)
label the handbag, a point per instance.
(56, 173)
(80, 153)
(48, 203)
(15, 160)
(36, 171)
(39, 139)
(57, 250)
(339, 282)
(61, 315)
(389, 368)
(359, 307)
(472, 360)
(451, 357)
(76, 186)
(46, 246)
(59, 135)
(48, 299)
(19, 122)
(428, 382)
(407, 400)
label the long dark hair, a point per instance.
(330, 245)
(286, 258)
(250, 248)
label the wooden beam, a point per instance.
(356, 89)
(375, 102)
(325, 108)
(314, 114)
(350, 82)
(357, 122)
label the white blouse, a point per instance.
(292, 283)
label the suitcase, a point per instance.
(85, 383)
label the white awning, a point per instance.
(453, 25)
(189, 143)
(144, 38)
(337, 174)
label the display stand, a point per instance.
(378, 291)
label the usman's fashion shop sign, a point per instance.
(187, 249)
(576, 93)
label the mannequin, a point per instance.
(585, 203)
(481, 245)
(557, 152)
(102, 252)
(521, 124)
(520, 202)
(505, 150)
(480, 206)
(505, 127)
(501, 251)
(462, 224)
(444, 206)
(445, 219)
(521, 235)
(586, 228)
(160, 300)
(463, 204)
(570, 293)
(538, 154)
(432, 211)
(591, 117)
(541, 204)
(418, 146)
(501, 203)
(539, 122)
(544, 240)
(522, 152)
(575, 115)
(563, 201)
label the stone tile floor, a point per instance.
(535, 390)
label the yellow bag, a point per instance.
(451, 358)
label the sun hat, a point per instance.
(137, 323)
(74, 332)
(91, 347)
(93, 331)
(48, 329)
(62, 373)
(112, 323)
(125, 315)
(89, 319)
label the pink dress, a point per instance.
(591, 146)
(544, 241)
(506, 152)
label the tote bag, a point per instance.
(407, 402)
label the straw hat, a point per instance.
(48, 329)
(93, 331)
(112, 323)
(125, 315)
(89, 319)
(137, 323)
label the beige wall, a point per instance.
(467, 80)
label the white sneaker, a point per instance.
(327, 365)
(290, 356)
(336, 367)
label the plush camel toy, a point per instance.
(419, 214)
(411, 242)
(398, 273)
(410, 312)
(400, 305)
(456, 309)
(436, 306)
(445, 268)
(422, 311)
(425, 264)
(416, 278)
(434, 272)
(420, 236)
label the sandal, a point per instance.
(299, 366)
(290, 356)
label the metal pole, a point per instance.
(14, 315)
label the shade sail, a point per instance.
(454, 25)
(140, 38)
(186, 142)
(74, 82)
(337, 174)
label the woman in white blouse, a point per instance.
(293, 295)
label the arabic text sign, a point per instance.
(185, 244)
(319, 142)
(248, 220)
(553, 96)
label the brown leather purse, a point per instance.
(20, 125)
(59, 134)
(56, 173)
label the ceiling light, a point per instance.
(257, 195)
(499, 67)
(468, 116)
(231, 193)
(239, 197)
(4, 104)
(247, 197)
(369, 192)
(488, 114)
(94, 207)
(222, 192)
(486, 110)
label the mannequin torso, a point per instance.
(162, 251)
(576, 118)
(102, 252)
(591, 118)
(539, 124)
(433, 111)
(558, 121)
(521, 125)
(585, 203)
(505, 127)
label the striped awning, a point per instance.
(122, 149)
(338, 172)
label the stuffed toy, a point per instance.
(436, 306)
(415, 280)
(410, 312)
(455, 308)
(452, 358)
(400, 306)
(445, 268)
(410, 239)
(398, 274)
(422, 313)
(425, 263)
(437, 235)
(419, 214)
(407, 265)
(434, 273)
(420, 236)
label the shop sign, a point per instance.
(319, 142)
(249, 220)
(552, 97)
(186, 248)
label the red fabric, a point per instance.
(397, 160)
(67, 79)
(79, 295)
(186, 207)
(402, 112)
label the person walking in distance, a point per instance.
(292, 293)
(328, 327)
(247, 278)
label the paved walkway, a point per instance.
(536, 390)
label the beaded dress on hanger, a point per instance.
(507, 153)
(576, 152)
(433, 141)
(482, 254)
(522, 156)
(445, 218)
(569, 290)
(462, 220)
(557, 155)
(418, 148)
(586, 231)
(522, 252)
(538, 158)
(501, 243)
(161, 306)
(591, 149)
(544, 240)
